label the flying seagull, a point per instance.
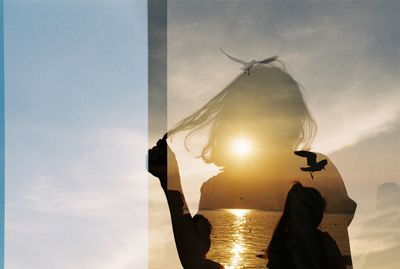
(313, 165)
(247, 66)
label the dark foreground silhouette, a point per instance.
(192, 234)
(296, 242)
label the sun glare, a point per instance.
(241, 146)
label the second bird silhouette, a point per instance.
(313, 165)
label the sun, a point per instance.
(241, 146)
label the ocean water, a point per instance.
(239, 235)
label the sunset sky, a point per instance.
(344, 54)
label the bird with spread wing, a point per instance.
(313, 165)
(247, 66)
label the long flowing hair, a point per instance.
(267, 90)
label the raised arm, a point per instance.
(191, 233)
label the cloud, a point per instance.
(345, 54)
(97, 202)
(331, 49)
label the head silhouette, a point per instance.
(304, 205)
(203, 230)
(303, 211)
(266, 106)
(388, 196)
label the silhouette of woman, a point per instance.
(296, 242)
(266, 109)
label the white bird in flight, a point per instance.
(247, 66)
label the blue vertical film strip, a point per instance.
(2, 138)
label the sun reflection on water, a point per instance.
(237, 248)
(239, 213)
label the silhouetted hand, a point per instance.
(162, 162)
